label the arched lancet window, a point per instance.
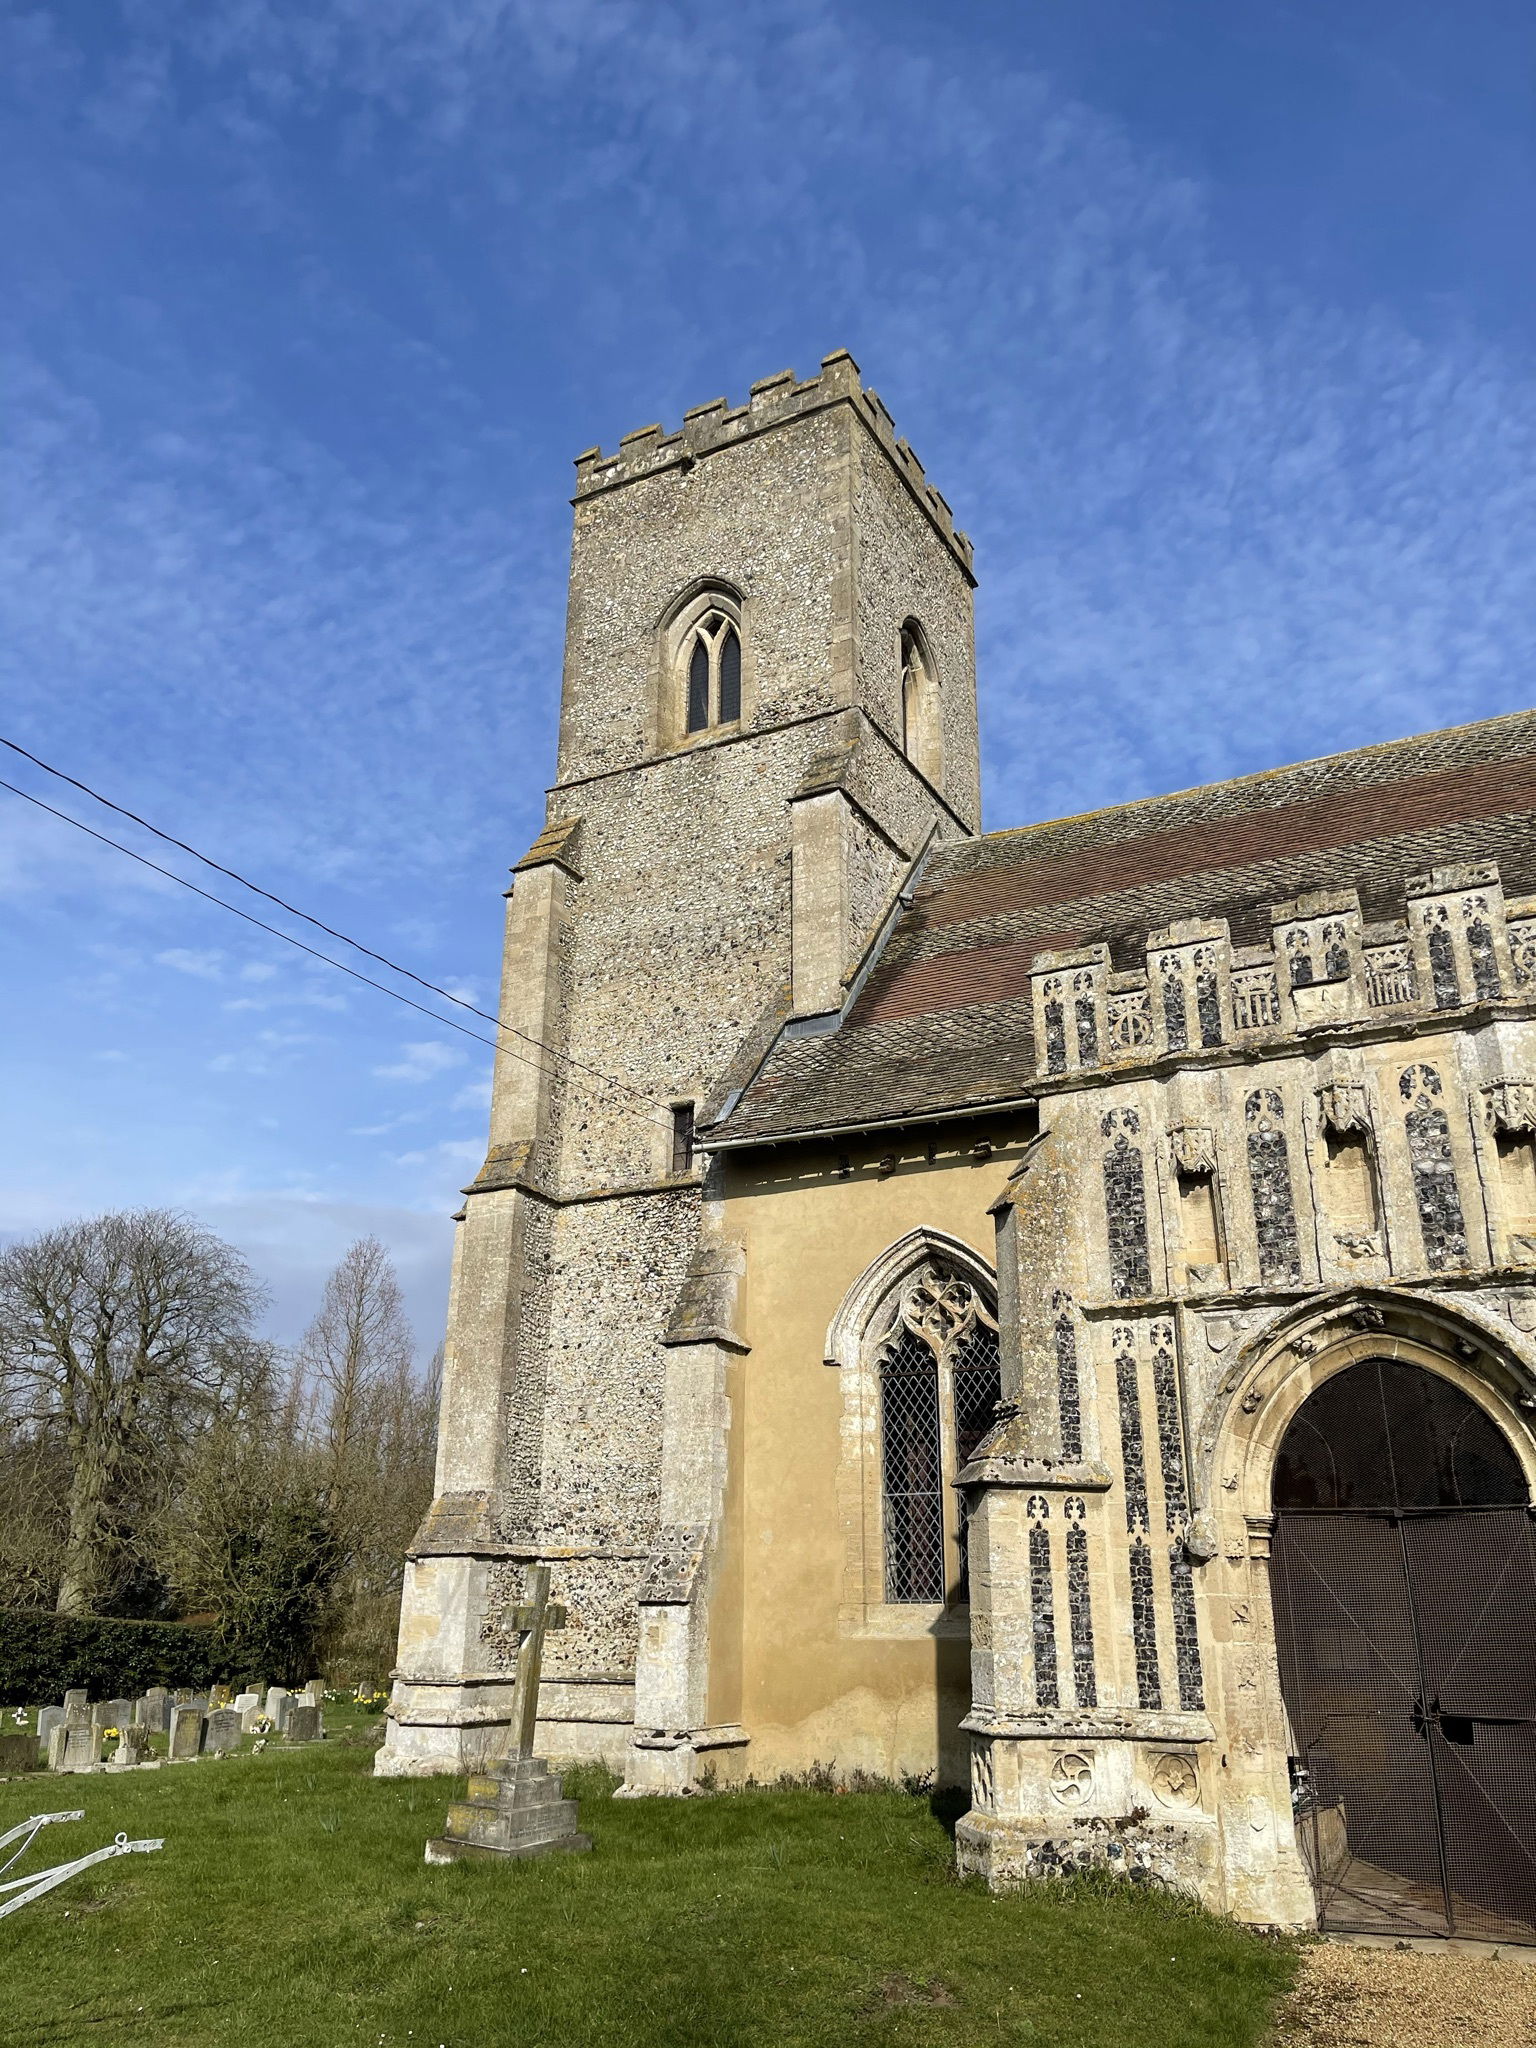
(921, 730)
(935, 1352)
(712, 665)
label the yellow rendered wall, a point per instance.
(812, 1681)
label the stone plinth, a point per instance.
(516, 1811)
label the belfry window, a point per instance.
(937, 1362)
(713, 667)
(921, 737)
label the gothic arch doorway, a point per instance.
(1404, 1584)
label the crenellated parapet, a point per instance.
(706, 429)
(1461, 944)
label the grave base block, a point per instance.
(516, 1810)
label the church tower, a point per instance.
(768, 718)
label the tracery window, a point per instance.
(937, 1361)
(712, 658)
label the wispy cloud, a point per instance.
(423, 1060)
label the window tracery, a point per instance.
(937, 1362)
(713, 667)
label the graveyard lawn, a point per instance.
(291, 1905)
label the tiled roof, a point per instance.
(943, 1021)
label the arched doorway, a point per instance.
(1404, 1583)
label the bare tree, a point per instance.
(121, 1337)
(358, 1343)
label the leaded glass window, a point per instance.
(940, 1383)
(714, 673)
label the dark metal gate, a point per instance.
(1404, 1583)
(1408, 1664)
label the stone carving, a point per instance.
(1071, 1778)
(1304, 1346)
(1368, 1317)
(1510, 1106)
(982, 1787)
(1256, 999)
(1042, 1603)
(1335, 953)
(1390, 976)
(1357, 1244)
(1522, 952)
(1176, 1780)
(1298, 947)
(1219, 1332)
(1344, 1107)
(1130, 1020)
(1194, 1148)
(1269, 1174)
(1201, 1542)
(1125, 1207)
(1441, 1222)
(944, 1312)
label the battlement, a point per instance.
(773, 400)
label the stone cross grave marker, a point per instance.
(515, 1808)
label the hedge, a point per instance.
(43, 1655)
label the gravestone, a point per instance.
(302, 1723)
(277, 1699)
(101, 1713)
(157, 1709)
(132, 1750)
(76, 1697)
(119, 1714)
(218, 1696)
(186, 1733)
(198, 1700)
(18, 1751)
(74, 1745)
(250, 1714)
(225, 1729)
(49, 1719)
(515, 1808)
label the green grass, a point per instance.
(291, 1908)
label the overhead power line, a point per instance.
(275, 931)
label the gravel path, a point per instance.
(1349, 1997)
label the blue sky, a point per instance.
(1214, 323)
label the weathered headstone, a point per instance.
(74, 1745)
(250, 1715)
(157, 1709)
(101, 1713)
(18, 1750)
(186, 1733)
(132, 1749)
(218, 1696)
(225, 1729)
(49, 1719)
(302, 1722)
(277, 1699)
(515, 1808)
(244, 1701)
(76, 1697)
(119, 1714)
